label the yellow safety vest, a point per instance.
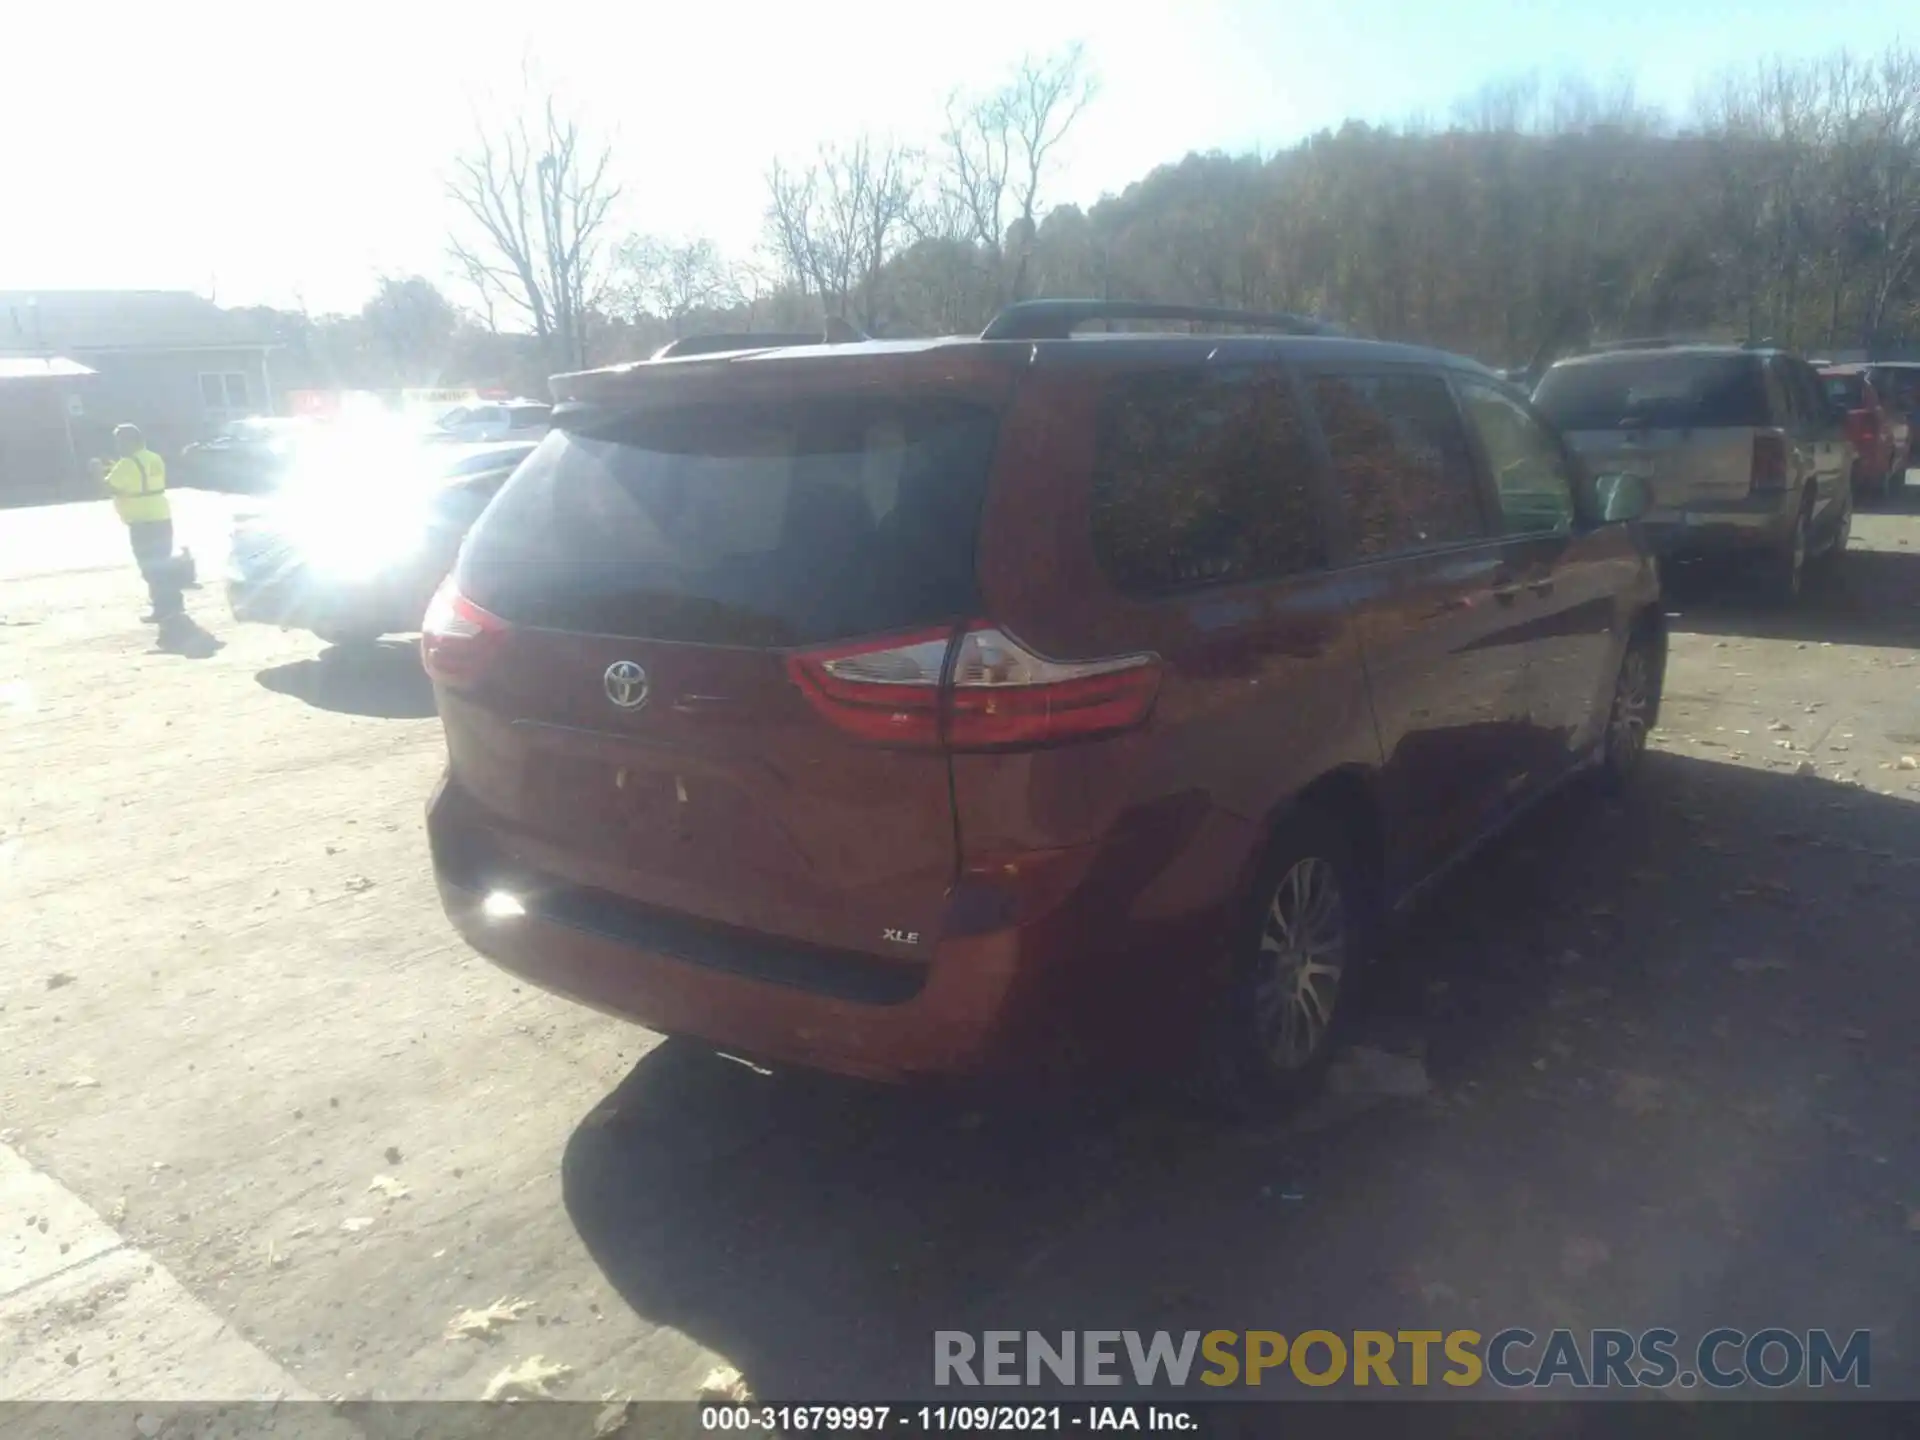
(139, 485)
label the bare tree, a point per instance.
(672, 280)
(535, 197)
(996, 152)
(835, 223)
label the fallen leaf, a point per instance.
(354, 1224)
(724, 1384)
(359, 883)
(83, 1082)
(388, 1186)
(613, 1417)
(1778, 725)
(487, 1321)
(532, 1379)
(59, 980)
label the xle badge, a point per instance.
(901, 937)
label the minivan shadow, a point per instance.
(1875, 600)
(1603, 999)
(382, 680)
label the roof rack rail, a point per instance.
(837, 332)
(1058, 319)
(1650, 342)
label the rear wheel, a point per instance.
(1835, 553)
(1295, 971)
(1630, 719)
(1788, 566)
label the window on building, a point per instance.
(225, 393)
(1401, 461)
(1203, 479)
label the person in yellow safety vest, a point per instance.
(138, 480)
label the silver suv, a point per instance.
(1743, 451)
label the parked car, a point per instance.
(479, 424)
(248, 456)
(1745, 454)
(1898, 385)
(1870, 429)
(933, 707)
(352, 562)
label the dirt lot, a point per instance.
(1671, 1046)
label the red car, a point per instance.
(1870, 427)
(909, 708)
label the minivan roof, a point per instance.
(1168, 346)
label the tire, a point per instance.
(1299, 955)
(1630, 712)
(1833, 556)
(1787, 568)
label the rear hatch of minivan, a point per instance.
(1686, 422)
(667, 659)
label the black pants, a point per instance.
(153, 553)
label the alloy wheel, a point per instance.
(1627, 725)
(1303, 956)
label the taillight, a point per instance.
(1769, 463)
(1004, 694)
(995, 693)
(457, 637)
(887, 691)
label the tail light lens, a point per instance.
(1769, 463)
(887, 692)
(457, 638)
(977, 690)
(1004, 694)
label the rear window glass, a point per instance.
(1655, 392)
(1845, 390)
(739, 525)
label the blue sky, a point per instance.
(285, 154)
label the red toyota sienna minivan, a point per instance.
(937, 707)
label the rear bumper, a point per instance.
(1736, 526)
(979, 1004)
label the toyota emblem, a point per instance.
(626, 684)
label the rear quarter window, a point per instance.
(1203, 479)
(756, 525)
(1655, 392)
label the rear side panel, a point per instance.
(1152, 833)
